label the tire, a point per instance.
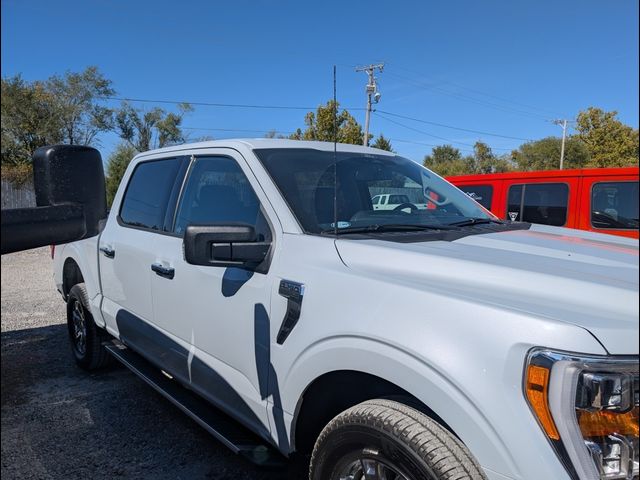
(397, 442)
(85, 336)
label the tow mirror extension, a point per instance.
(70, 197)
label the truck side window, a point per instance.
(147, 195)
(544, 203)
(217, 191)
(615, 205)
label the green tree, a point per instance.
(273, 134)
(610, 142)
(484, 160)
(544, 154)
(320, 126)
(29, 120)
(446, 160)
(382, 143)
(116, 166)
(156, 128)
(77, 107)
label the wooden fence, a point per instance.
(17, 196)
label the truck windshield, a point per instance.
(312, 182)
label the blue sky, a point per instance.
(504, 67)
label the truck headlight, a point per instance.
(588, 409)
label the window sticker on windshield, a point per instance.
(513, 216)
(341, 224)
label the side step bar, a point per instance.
(233, 435)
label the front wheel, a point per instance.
(383, 439)
(84, 335)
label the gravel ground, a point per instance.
(61, 422)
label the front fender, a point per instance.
(374, 357)
(481, 401)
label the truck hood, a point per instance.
(589, 280)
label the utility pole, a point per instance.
(563, 124)
(372, 91)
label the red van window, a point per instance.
(614, 205)
(544, 203)
(480, 193)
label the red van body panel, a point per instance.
(584, 185)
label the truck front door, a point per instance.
(222, 313)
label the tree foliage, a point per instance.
(28, 120)
(610, 143)
(77, 108)
(320, 126)
(382, 143)
(116, 166)
(544, 154)
(61, 109)
(446, 160)
(156, 128)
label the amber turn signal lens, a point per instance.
(603, 423)
(537, 394)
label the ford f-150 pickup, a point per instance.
(255, 285)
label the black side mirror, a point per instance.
(224, 246)
(70, 194)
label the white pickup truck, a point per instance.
(391, 201)
(254, 284)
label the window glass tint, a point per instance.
(544, 203)
(376, 200)
(514, 203)
(217, 191)
(615, 205)
(145, 200)
(321, 187)
(480, 193)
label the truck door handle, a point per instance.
(108, 252)
(166, 272)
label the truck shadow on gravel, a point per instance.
(61, 422)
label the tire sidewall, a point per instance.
(366, 441)
(79, 293)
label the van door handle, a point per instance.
(108, 252)
(166, 272)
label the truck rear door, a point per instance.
(127, 245)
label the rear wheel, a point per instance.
(387, 440)
(85, 337)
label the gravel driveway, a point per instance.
(61, 422)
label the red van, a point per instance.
(601, 200)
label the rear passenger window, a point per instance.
(480, 193)
(615, 205)
(217, 191)
(544, 203)
(147, 195)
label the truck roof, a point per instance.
(254, 143)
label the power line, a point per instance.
(454, 128)
(214, 104)
(236, 130)
(432, 135)
(426, 144)
(293, 107)
(479, 92)
(467, 98)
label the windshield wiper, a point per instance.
(475, 221)
(392, 227)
